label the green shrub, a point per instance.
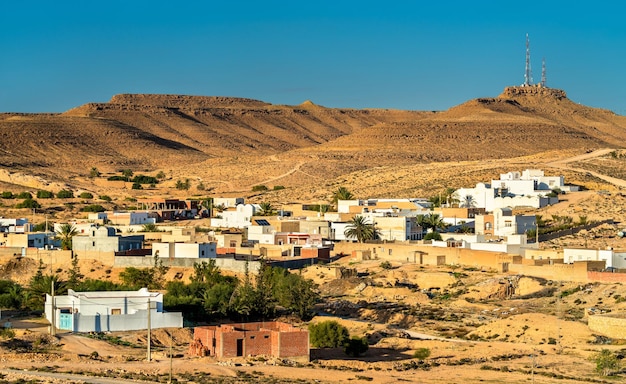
(44, 194)
(105, 198)
(93, 208)
(7, 195)
(328, 334)
(385, 265)
(28, 203)
(606, 362)
(7, 333)
(259, 188)
(137, 186)
(183, 185)
(143, 179)
(421, 353)
(117, 178)
(86, 195)
(356, 346)
(24, 195)
(65, 194)
(278, 187)
(94, 172)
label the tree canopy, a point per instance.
(361, 229)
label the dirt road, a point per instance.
(564, 164)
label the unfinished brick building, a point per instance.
(251, 339)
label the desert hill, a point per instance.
(234, 143)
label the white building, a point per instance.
(106, 239)
(613, 259)
(528, 189)
(395, 228)
(14, 225)
(262, 232)
(400, 207)
(110, 311)
(227, 202)
(130, 218)
(185, 250)
(237, 217)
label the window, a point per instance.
(202, 253)
(508, 223)
(116, 311)
(233, 243)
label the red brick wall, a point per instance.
(292, 344)
(607, 277)
(262, 338)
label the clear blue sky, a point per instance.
(416, 55)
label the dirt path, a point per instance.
(55, 377)
(564, 164)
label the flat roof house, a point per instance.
(107, 311)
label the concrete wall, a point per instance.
(613, 326)
(136, 321)
(577, 272)
(223, 263)
(410, 253)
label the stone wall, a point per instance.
(612, 325)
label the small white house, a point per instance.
(262, 232)
(185, 250)
(108, 311)
(613, 259)
(237, 217)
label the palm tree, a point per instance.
(266, 209)
(360, 228)
(150, 227)
(342, 194)
(65, 234)
(430, 221)
(468, 201)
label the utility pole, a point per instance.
(53, 316)
(171, 342)
(149, 330)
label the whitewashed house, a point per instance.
(261, 232)
(613, 259)
(108, 311)
(237, 217)
(174, 250)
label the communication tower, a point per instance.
(543, 72)
(528, 77)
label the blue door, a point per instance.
(65, 321)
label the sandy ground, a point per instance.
(476, 336)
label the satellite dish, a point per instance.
(620, 234)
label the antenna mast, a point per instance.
(528, 77)
(543, 72)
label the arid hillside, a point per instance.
(230, 144)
